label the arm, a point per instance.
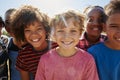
(24, 75)
(22, 67)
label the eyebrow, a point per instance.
(113, 24)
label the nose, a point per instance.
(96, 22)
(67, 35)
(34, 33)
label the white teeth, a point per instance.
(118, 39)
(67, 42)
(95, 29)
(35, 40)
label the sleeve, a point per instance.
(20, 62)
(40, 74)
(91, 70)
(92, 50)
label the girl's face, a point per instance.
(35, 34)
(93, 23)
(67, 37)
(112, 29)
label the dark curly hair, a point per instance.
(25, 16)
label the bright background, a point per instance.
(51, 7)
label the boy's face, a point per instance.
(0, 28)
(7, 23)
(113, 30)
(67, 37)
(93, 23)
(35, 34)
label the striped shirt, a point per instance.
(28, 59)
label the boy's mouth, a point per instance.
(66, 43)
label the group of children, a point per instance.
(68, 46)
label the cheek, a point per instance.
(44, 34)
(27, 35)
(87, 26)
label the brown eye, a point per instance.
(73, 31)
(60, 31)
(90, 20)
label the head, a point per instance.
(112, 27)
(8, 14)
(67, 28)
(31, 25)
(94, 20)
(1, 24)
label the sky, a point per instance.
(50, 7)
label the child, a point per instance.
(29, 24)
(67, 62)
(7, 19)
(107, 54)
(94, 21)
(3, 54)
(13, 47)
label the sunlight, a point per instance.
(50, 6)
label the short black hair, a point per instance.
(2, 24)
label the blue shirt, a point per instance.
(107, 61)
(13, 53)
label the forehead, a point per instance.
(114, 18)
(35, 23)
(94, 12)
(71, 22)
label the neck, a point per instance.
(66, 52)
(92, 39)
(112, 45)
(42, 47)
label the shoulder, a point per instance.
(50, 54)
(26, 49)
(96, 48)
(85, 54)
